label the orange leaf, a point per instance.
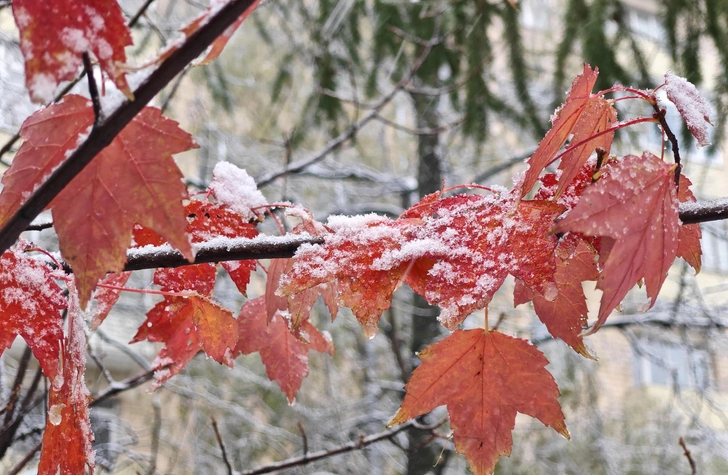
(67, 438)
(31, 303)
(598, 115)
(484, 379)
(564, 122)
(284, 355)
(356, 258)
(688, 246)
(133, 180)
(636, 205)
(188, 325)
(54, 35)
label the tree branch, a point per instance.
(349, 447)
(335, 143)
(101, 136)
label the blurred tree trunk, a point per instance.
(425, 328)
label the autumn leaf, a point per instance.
(598, 116)
(55, 34)
(284, 355)
(636, 205)
(475, 242)
(691, 106)
(30, 305)
(484, 379)
(357, 256)
(564, 121)
(565, 316)
(67, 439)
(688, 245)
(133, 180)
(188, 324)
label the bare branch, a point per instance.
(222, 447)
(335, 143)
(421, 131)
(107, 130)
(688, 456)
(348, 447)
(703, 211)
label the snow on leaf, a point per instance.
(484, 379)
(55, 34)
(187, 325)
(692, 107)
(106, 298)
(133, 180)
(284, 355)
(357, 257)
(67, 439)
(564, 121)
(30, 305)
(635, 204)
(688, 246)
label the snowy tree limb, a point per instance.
(109, 128)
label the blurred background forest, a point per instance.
(359, 106)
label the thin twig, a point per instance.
(102, 136)
(304, 437)
(222, 447)
(92, 88)
(348, 447)
(421, 131)
(28, 457)
(693, 468)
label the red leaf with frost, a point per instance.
(564, 122)
(636, 205)
(484, 379)
(55, 34)
(357, 256)
(31, 302)
(133, 180)
(67, 439)
(598, 116)
(689, 235)
(691, 106)
(187, 325)
(476, 241)
(284, 355)
(106, 298)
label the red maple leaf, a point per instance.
(133, 180)
(636, 205)
(565, 316)
(484, 379)
(357, 256)
(564, 122)
(688, 246)
(67, 438)
(473, 243)
(188, 324)
(284, 354)
(54, 35)
(31, 302)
